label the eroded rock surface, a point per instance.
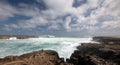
(96, 54)
(46, 57)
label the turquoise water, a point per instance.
(64, 46)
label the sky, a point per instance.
(60, 17)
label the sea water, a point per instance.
(64, 46)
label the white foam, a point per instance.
(12, 38)
(64, 46)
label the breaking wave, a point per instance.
(64, 46)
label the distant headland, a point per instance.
(16, 36)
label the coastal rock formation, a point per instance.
(46, 57)
(16, 36)
(107, 40)
(96, 54)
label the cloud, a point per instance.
(67, 23)
(31, 23)
(90, 16)
(54, 27)
(28, 10)
(6, 11)
(111, 24)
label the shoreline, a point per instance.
(17, 36)
(86, 54)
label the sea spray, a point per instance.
(64, 46)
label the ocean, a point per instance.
(63, 45)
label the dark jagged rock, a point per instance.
(96, 54)
(78, 58)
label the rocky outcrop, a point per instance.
(78, 58)
(46, 57)
(109, 40)
(96, 54)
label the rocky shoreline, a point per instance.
(96, 54)
(16, 36)
(86, 54)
